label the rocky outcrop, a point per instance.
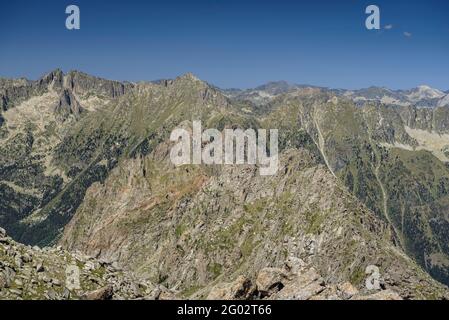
(105, 293)
(34, 273)
(270, 280)
(241, 288)
(299, 283)
(54, 274)
(80, 84)
(68, 105)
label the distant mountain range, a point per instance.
(422, 96)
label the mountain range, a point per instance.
(363, 181)
(422, 96)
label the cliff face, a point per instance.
(429, 119)
(85, 163)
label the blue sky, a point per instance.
(232, 43)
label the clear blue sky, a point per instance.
(232, 43)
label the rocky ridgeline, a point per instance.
(68, 87)
(296, 281)
(41, 274)
(45, 274)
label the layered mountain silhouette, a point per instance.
(363, 180)
(422, 96)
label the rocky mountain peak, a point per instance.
(55, 76)
(425, 92)
(188, 79)
(189, 76)
(82, 83)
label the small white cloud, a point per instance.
(388, 27)
(407, 34)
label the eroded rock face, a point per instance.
(302, 286)
(429, 119)
(347, 290)
(270, 280)
(105, 293)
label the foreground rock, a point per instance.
(241, 288)
(301, 283)
(105, 293)
(55, 274)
